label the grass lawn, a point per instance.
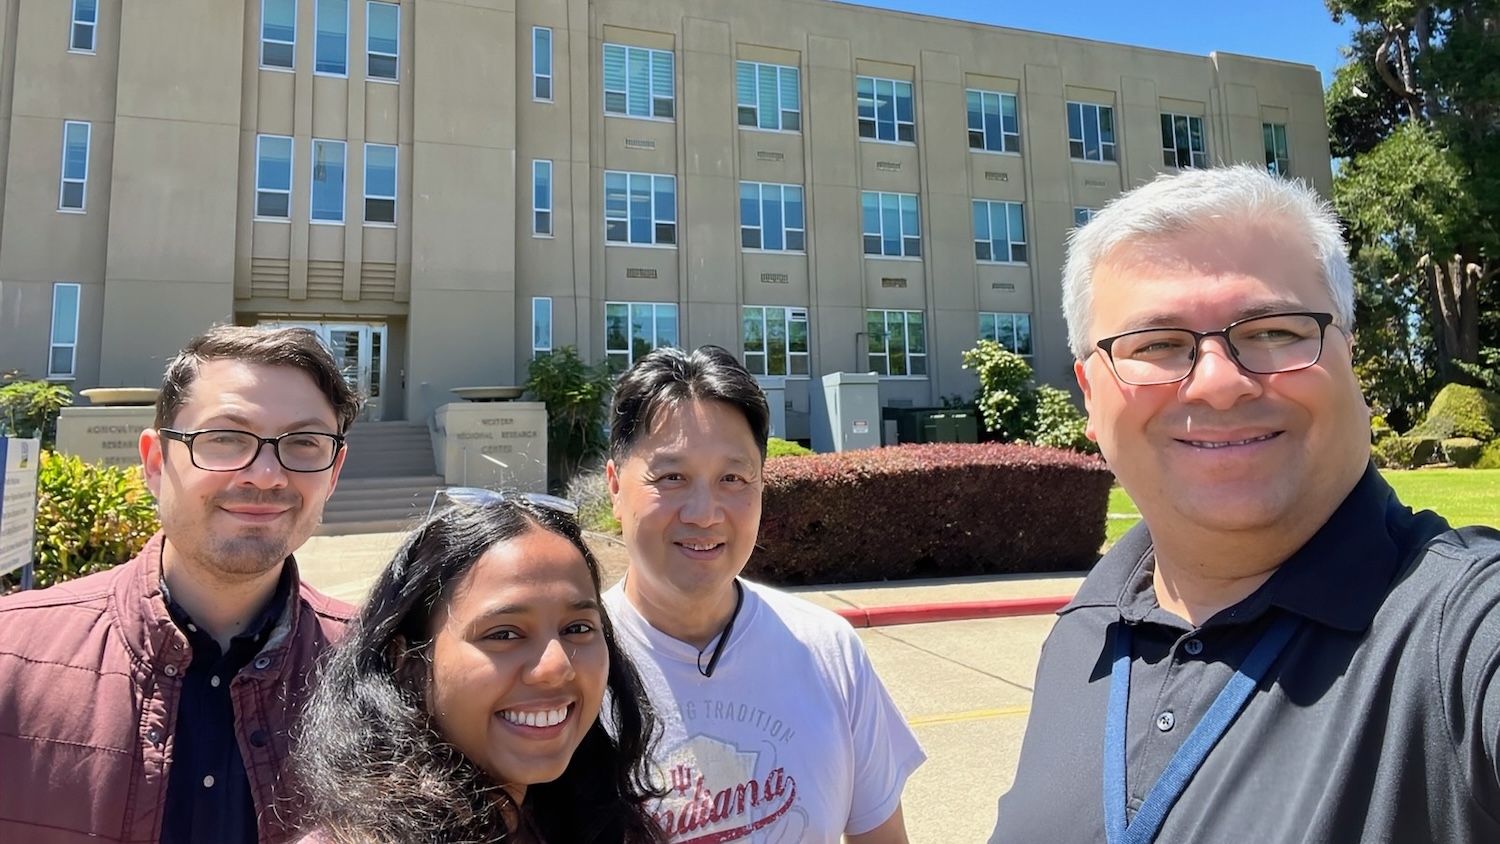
(1462, 496)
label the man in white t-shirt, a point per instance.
(776, 727)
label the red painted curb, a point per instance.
(954, 611)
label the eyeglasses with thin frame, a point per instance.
(228, 450)
(1261, 345)
(480, 497)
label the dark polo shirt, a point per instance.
(1379, 722)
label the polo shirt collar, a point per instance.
(1338, 578)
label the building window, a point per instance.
(1011, 331)
(897, 343)
(62, 358)
(328, 181)
(541, 63)
(769, 96)
(638, 82)
(75, 166)
(541, 198)
(631, 329)
(541, 325)
(885, 110)
(273, 176)
(1082, 216)
(85, 22)
(1278, 161)
(892, 224)
(1091, 132)
(382, 40)
(771, 217)
(380, 183)
(640, 208)
(775, 340)
(1182, 141)
(278, 33)
(331, 48)
(999, 232)
(994, 122)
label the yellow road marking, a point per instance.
(971, 715)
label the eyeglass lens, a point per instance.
(231, 450)
(1264, 345)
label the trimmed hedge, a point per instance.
(1490, 458)
(777, 447)
(931, 510)
(1460, 411)
(1462, 452)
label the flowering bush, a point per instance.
(90, 517)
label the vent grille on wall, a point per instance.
(269, 277)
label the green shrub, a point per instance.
(90, 517)
(590, 491)
(30, 408)
(1379, 429)
(777, 447)
(931, 510)
(1058, 422)
(1490, 457)
(1395, 452)
(1013, 409)
(1461, 411)
(576, 394)
(1462, 452)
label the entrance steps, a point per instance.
(387, 481)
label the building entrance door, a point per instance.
(359, 349)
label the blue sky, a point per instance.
(1290, 30)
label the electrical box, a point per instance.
(853, 409)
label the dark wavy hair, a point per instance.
(370, 759)
(669, 376)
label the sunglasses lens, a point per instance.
(479, 497)
(552, 502)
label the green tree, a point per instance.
(576, 394)
(30, 408)
(1015, 409)
(1414, 115)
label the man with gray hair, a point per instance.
(1281, 651)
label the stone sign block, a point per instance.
(501, 444)
(108, 435)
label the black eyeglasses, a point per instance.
(1262, 345)
(479, 497)
(226, 450)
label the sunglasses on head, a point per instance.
(474, 496)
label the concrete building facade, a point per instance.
(446, 187)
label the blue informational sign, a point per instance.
(18, 465)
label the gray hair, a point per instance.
(1172, 204)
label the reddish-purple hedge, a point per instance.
(933, 510)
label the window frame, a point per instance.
(1006, 147)
(312, 195)
(612, 354)
(875, 120)
(1109, 152)
(655, 221)
(789, 315)
(1278, 160)
(264, 40)
(54, 343)
(1172, 156)
(1014, 318)
(536, 75)
(318, 34)
(786, 229)
(1011, 212)
(1086, 212)
(652, 56)
(64, 180)
(371, 53)
(536, 348)
(882, 216)
(780, 70)
(906, 336)
(395, 153)
(73, 29)
(537, 207)
(291, 146)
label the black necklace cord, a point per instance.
(713, 659)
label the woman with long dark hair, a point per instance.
(464, 703)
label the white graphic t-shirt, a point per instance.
(794, 738)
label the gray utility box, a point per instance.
(853, 409)
(774, 386)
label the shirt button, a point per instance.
(1193, 647)
(259, 738)
(154, 736)
(1165, 721)
(192, 628)
(170, 671)
(262, 662)
(214, 681)
(208, 781)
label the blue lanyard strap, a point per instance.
(1189, 757)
